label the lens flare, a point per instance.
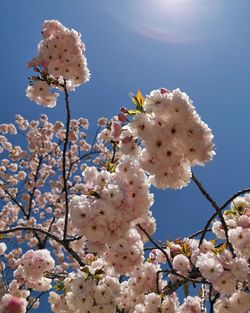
(173, 21)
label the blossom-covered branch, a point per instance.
(76, 217)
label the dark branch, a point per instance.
(64, 161)
(218, 211)
(64, 243)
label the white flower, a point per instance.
(3, 248)
(181, 264)
(209, 266)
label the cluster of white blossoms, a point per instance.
(36, 263)
(238, 223)
(33, 265)
(173, 136)
(60, 59)
(154, 303)
(228, 275)
(113, 204)
(93, 289)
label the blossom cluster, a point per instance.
(174, 138)
(114, 203)
(93, 289)
(225, 273)
(60, 59)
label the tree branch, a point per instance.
(64, 243)
(157, 246)
(64, 161)
(217, 208)
(220, 209)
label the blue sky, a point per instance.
(200, 46)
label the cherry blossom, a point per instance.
(76, 218)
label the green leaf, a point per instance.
(94, 194)
(186, 249)
(111, 167)
(138, 99)
(59, 286)
(220, 248)
(133, 112)
(98, 275)
(99, 272)
(85, 270)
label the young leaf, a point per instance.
(99, 272)
(133, 112)
(220, 248)
(138, 100)
(186, 249)
(85, 270)
(59, 286)
(94, 194)
(111, 167)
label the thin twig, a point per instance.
(64, 161)
(64, 243)
(233, 197)
(206, 228)
(24, 213)
(34, 188)
(49, 229)
(16, 202)
(199, 232)
(156, 245)
(217, 208)
(35, 300)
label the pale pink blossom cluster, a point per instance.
(113, 204)
(238, 302)
(33, 265)
(93, 289)
(36, 263)
(238, 223)
(60, 59)
(142, 281)
(174, 138)
(227, 274)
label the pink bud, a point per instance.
(164, 90)
(123, 110)
(126, 140)
(115, 129)
(14, 306)
(122, 118)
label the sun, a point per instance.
(176, 21)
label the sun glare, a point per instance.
(176, 21)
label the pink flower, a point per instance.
(164, 90)
(15, 305)
(115, 129)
